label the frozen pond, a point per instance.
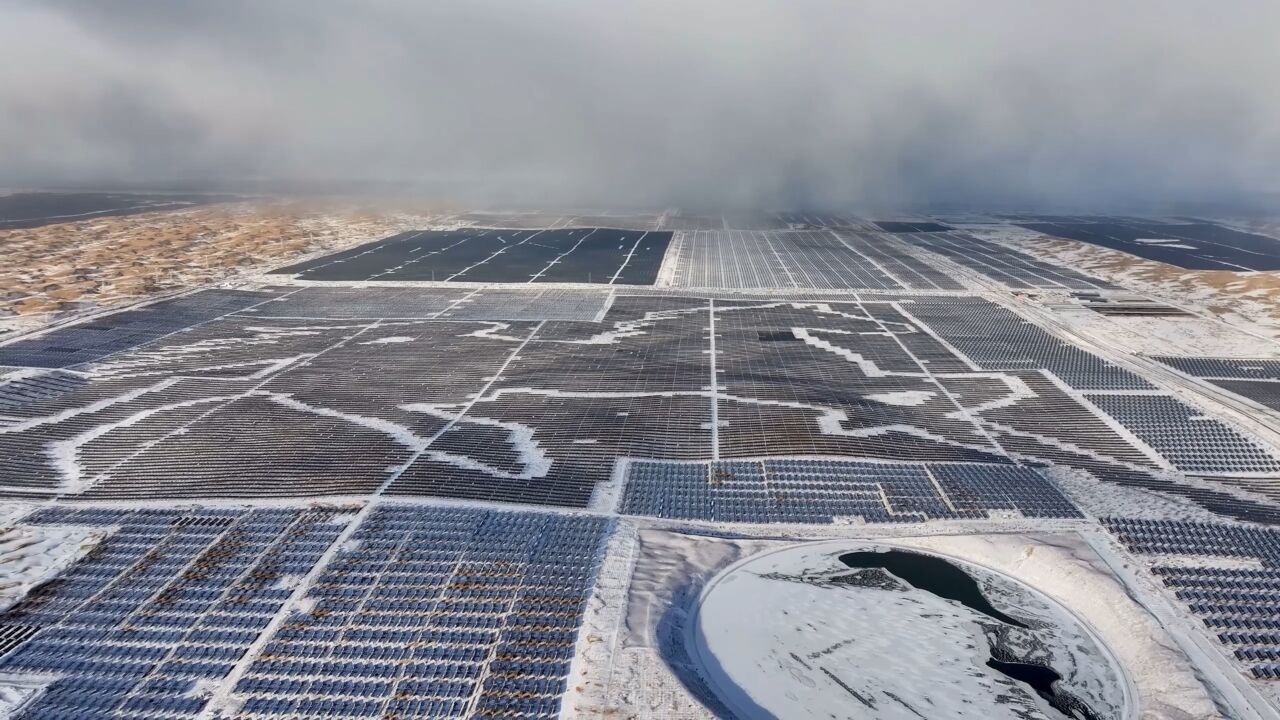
(838, 630)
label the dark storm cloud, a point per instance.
(785, 102)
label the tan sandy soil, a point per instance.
(1251, 299)
(108, 261)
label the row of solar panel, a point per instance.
(820, 491)
(1240, 602)
(129, 629)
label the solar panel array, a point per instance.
(1265, 393)
(95, 339)
(1255, 379)
(684, 221)
(424, 612)
(487, 255)
(911, 226)
(1236, 368)
(563, 218)
(775, 393)
(820, 491)
(170, 600)
(550, 304)
(906, 268)
(248, 448)
(1190, 440)
(571, 386)
(759, 220)
(1008, 267)
(579, 438)
(1046, 423)
(817, 219)
(998, 339)
(493, 304)
(27, 388)
(1239, 604)
(338, 303)
(541, 411)
(905, 402)
(435, 612)
(29, 443)
(762, 259)
(22, 210)
(1192, 245)
(230, 348)
(525, 220)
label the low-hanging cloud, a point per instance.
(838, 103)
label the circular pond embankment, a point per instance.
(855, 629)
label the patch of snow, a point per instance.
(287, 582)
(494, 332)
(635, 666)
(868, 367)
(1175, 336)
(204, 687)
(11, 511)
(536, 463)
(396, 432)
(905, 397)
(389, 340)
(780, 636)
(31, 555)
(1165, 242)
(22, 374)
(630, 328)
(17, 691)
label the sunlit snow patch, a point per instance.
(1165, 242)
(842, 629)
(17, 691)
(31, 555)
(908, 398)
(389, 340)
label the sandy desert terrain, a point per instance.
(1245, 299)
(110, 261)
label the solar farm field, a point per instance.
(583, 255)
(488, 472)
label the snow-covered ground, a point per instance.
(797, 633)
(31, 555)
(17, 691)
(635, 660)
(1193, 335)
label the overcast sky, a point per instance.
(692, 102)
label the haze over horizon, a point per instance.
(749, 102)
